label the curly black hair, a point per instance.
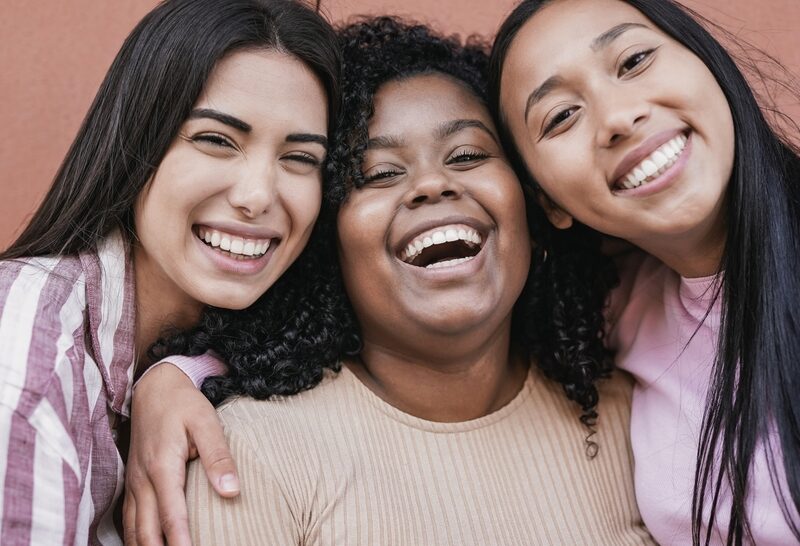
(558, 318)
(305, 323)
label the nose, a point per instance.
(619, 116)
(255, 189)
(432, 187)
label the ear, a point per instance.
(557, 216)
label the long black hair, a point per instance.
(152, 85)
(755, 378)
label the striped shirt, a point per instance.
(66, 364)
(339, 465)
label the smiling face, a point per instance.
(436, 242)
(623, 127)
(234, 200)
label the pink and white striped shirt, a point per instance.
(66, 364)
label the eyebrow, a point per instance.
(601, 41)
(227, 119)
(449, 128)
(245, 127)
(308, 137)
(612, 34)
(385, 142)
(444, 130)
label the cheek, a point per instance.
(303, 204)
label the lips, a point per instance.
(241, 244)
(447, 244)
(650, 159)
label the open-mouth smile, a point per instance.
(654, 165)
(233, 246)
(443, 246)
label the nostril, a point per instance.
(419, 199)
(448, 193)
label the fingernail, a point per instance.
(229, 483)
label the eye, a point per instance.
(303, 157)
(634, 61)
(559, 118)
(214, 139)
(381, 175)
(466, 156)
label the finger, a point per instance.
(148, 528)
(172, 512)
(129, 519)
(212, 447)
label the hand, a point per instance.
(172, 422)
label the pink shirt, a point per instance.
(652, 334)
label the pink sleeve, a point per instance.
(197, 368)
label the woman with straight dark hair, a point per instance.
(643, 128)
(194, 181)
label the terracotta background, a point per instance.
(54, 53)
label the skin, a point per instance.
(433, 342)
(261, 182)
(258, 179)
(609, 100)
(444, 339)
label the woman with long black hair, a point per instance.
(644, 128)
(194, 181)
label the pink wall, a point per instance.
(54, 54)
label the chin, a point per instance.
(226, 299)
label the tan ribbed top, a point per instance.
(337, 465)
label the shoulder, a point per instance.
(42, 310)
(39, 294)
(27, 278)
(280, 416)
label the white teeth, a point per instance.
(656, 163)
(439, 237)
(649, 167)
(233, 244)
(449, 263)
(659, 159)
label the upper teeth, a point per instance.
(234, 244)
(438, 236)
(655, 164)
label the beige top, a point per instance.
(337, 465)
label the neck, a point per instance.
(160, 305)
(691, 255)
(458, 387)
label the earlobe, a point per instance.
(557, 216)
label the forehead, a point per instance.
(255, 81)
(563, 31)
(419, 103)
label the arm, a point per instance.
(172, 422)
(264, 512)
(41, 463)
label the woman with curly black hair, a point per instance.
(430, 426)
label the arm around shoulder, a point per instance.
(263, 513)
